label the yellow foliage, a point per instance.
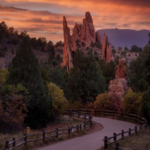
(75, 105)
(101, 101)
(3, 75)
(132, 102)
(59, 102)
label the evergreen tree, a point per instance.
(85, 80)
(25, 69)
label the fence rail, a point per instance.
(10, 145)
(122, 134)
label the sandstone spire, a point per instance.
(98, 37)
(67, 58)
(106, 49)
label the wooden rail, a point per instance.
(10, 145)
(114, 139)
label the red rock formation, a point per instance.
(119, 85)
(120, 70)
(85, 32)
(67, 57)
(106, 49)
(98, 37)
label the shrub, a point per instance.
(59, 102)
(132, 102)
(102, 101)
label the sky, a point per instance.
(43, 18)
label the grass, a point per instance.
(140, 141)
(60, 123)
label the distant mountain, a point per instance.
(125, 37)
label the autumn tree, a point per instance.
(59, 102)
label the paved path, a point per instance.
(92, 141)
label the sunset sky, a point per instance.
(43, 18)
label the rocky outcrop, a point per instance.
(98, 37)
(119, 85)
(85, 32)
(106, 49)
(120, 70)
(67, 57)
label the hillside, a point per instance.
(126, 37)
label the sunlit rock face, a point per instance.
(119, 85)
(67, 57)
(85, 32)
(106, 49)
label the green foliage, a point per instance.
(119, 48)
(138, 72)
(59, 102)
(116, 60)
(132, 102)
(55, 75)
(83, 44)
(87, 48)
(102, 101)
(135, 48)
(125, 48)
(25, 69)
(85, 78)
(3, 75)
(108, 70)
(2, 53)
(123, 54)
(12, 51)
(113, 52)
(98, 45)
(146, 104)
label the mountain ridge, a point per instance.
(126, 37)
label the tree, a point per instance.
(146, 105)
(85, 78)
(119, 48)
(113, 52)
(132, 102)
(138, 72)
(59, 102)
(25, 69)
(135, 48)
(125, 48)
(3, 75)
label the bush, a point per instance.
(132, 102)
(59, 102)
(146, 105)
(102, 101)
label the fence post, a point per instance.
(56, 132)
(78, 114)
(129, 131)
(14, 142)
(69, 130)
(104, 112)
(90, 124)
(95, 111)
(84, 126)
(117, 146)
(7, 145)
(105, 143)
(80, 127)
(140, 127)
(43, 136)
(122, 133)
(85, 116)
(77, 127)
(114, 137)
(135, 129)
(25, 139)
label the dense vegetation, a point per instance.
(41, 91)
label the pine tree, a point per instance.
(25, 69)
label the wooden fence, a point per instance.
(107, 141)
(10, 145)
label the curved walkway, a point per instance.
(92, 141)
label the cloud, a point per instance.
(45, 16)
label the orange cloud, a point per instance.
(106, 14)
